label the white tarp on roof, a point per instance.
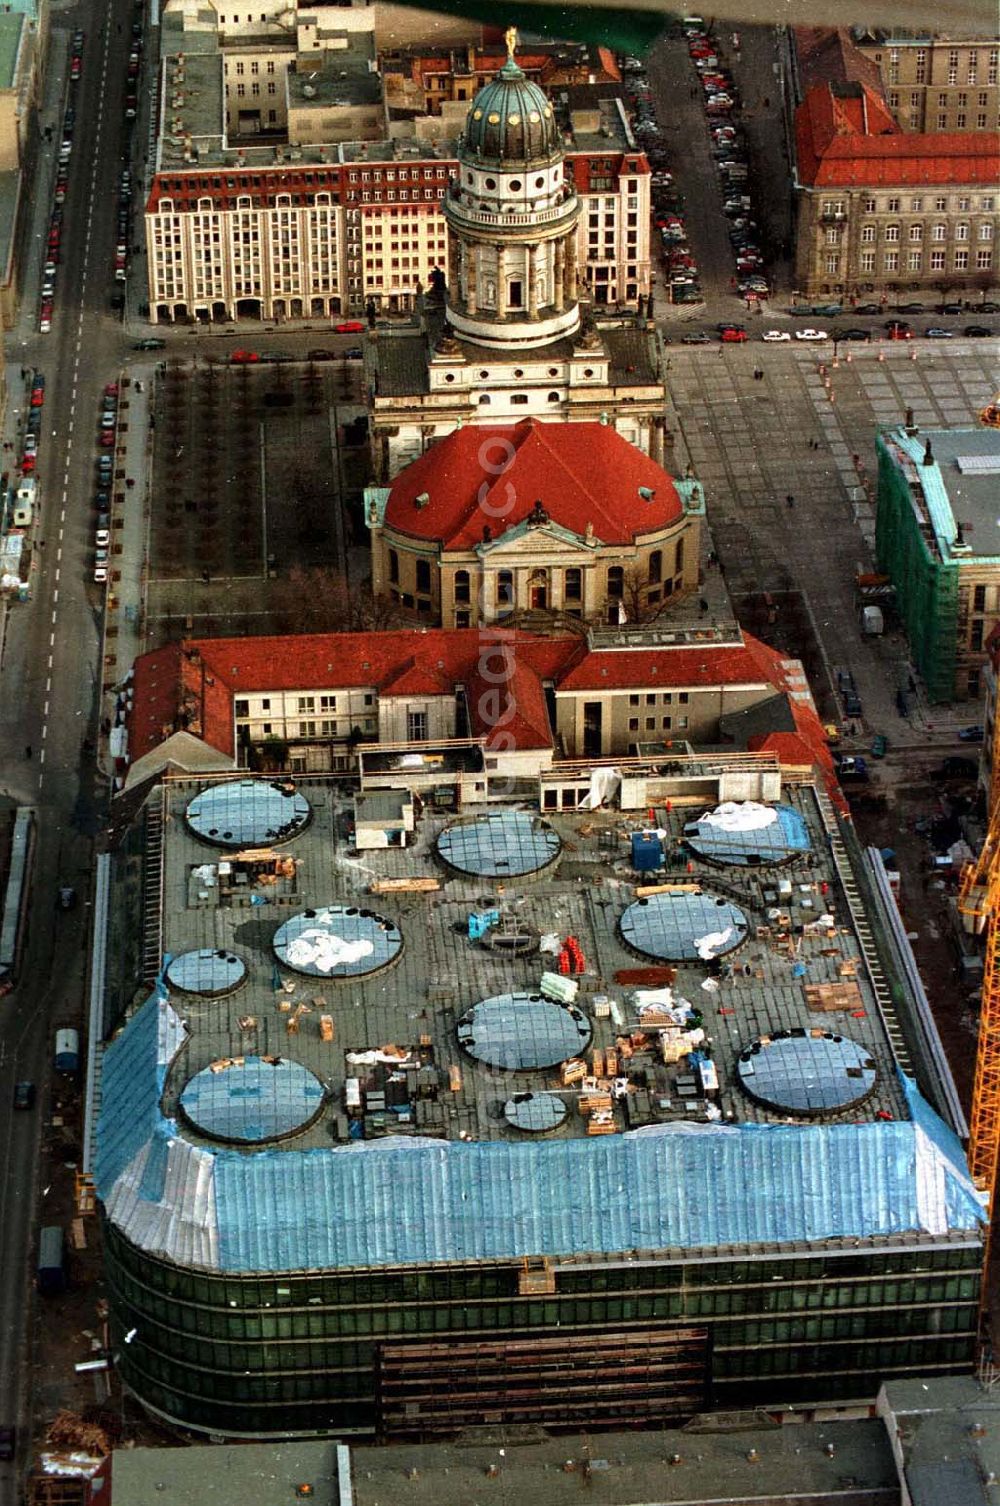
(740, 815)
(324, 951)
(709, 946)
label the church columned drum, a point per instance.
(512, 214)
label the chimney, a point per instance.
(928, 454)
(910, 426)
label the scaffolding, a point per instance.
(927, 586)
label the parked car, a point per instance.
(880, 745)
(949, 308)
(150, 344)
(811, 334)
(977, 331)
(909, 308)
(971, 734)
(244, 357)
(775, 335)
(349, 327)
(852, 334)
(936, 333)
(850, 766)
(733, 336)
(24, 1098)
(895, 330)
(696, 337)
(7, 1437)
(868, 308)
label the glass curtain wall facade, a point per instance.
(274, 1355)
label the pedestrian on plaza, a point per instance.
(790, 500)
(27, 751)
(758, 375)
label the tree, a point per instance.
(320, 599)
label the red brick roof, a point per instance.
(191, 685)
(845, 137)
(484, 477)
(828, 55)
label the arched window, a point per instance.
(573, 584)
(424, 576)
(553, 397)
(679, 557)
(656, 567)
(394, 567)
(616, 581)
(462, 585)
(484, 401)
(505, 592)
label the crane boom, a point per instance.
(979, 897)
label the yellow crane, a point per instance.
(979, 897)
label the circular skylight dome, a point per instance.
(337, 941)
(534, 1113)
(806, 1072)
(246, 1101)
(523, 1032)
(504, 844)
(207, 972)
(248, 813)
(689, 926)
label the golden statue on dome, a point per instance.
(510, 37)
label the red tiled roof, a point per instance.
(506, 695)
(191, 685)
(829, 55)
(583, 474)
(846, 137)
(417, 678)
(630, 668)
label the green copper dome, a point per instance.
(511, 122)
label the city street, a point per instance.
(50, 677)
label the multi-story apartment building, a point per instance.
(312, 225)
(880, 209)
(938, 83)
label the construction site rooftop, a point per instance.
(526, 1003)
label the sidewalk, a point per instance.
(130, 503)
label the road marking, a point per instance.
(55, 596)
(52, 642)
(48, 685)
(45, 709)
(54, 616)
(45, 731)
(58, 557)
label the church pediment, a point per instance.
(547, 539)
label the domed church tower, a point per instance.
(512, 217)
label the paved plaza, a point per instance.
(752, 444)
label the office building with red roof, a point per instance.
(523, 703)
(566, 519)
(882, 210)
